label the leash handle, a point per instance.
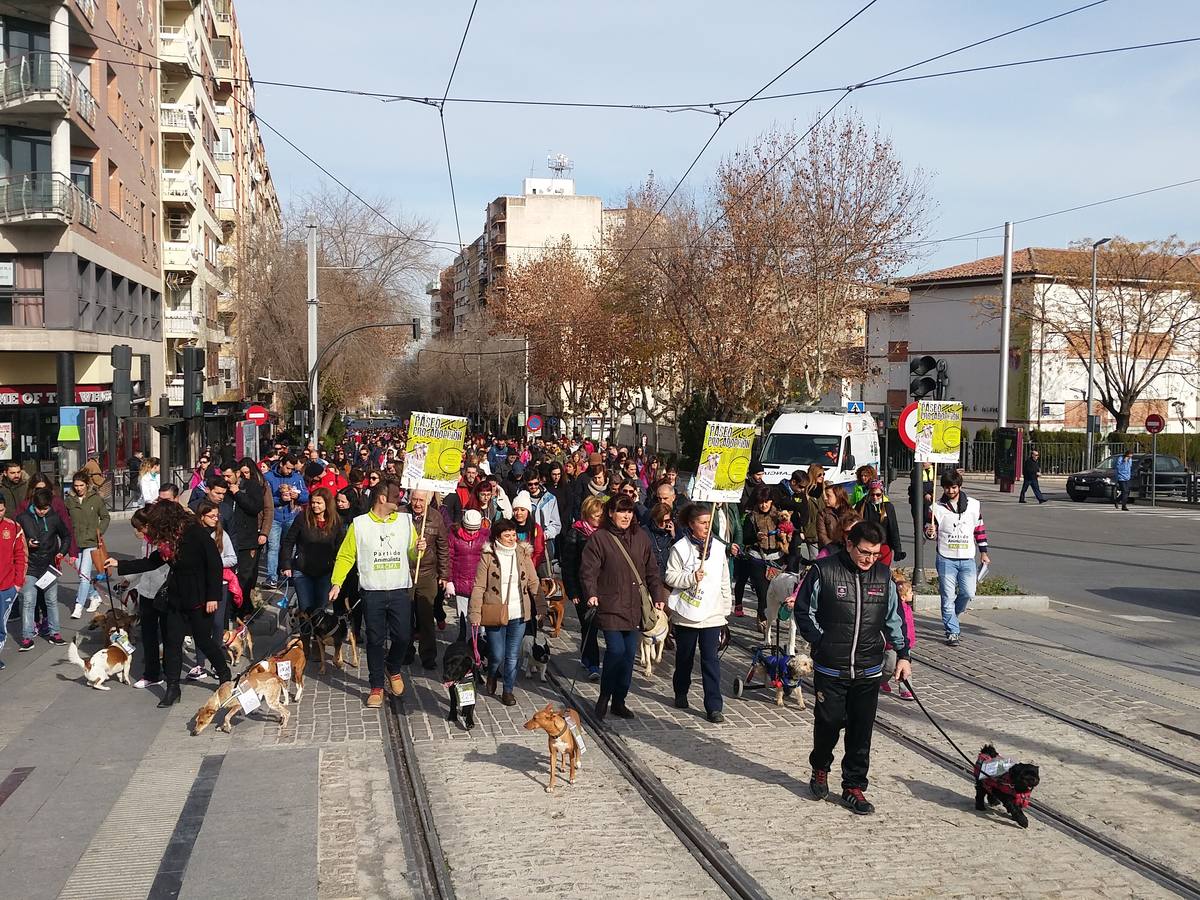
(475, 644)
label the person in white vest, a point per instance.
(699, 606)
(956, 522)
(384, 546)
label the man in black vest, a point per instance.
(844, 607)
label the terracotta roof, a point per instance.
(1030, 261)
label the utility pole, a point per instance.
(1005, 326)
(526, 382)
(1091, 431)
(314, 398)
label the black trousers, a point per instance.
(686, 640)
(589, 651)
(176, 623)
(849, 704)
(247, 571)
(1032, 484)
(424, 615)
(150, 620)
(1122, 494)
(756, 574)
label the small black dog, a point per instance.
(326, 626)
(997, 781)
(458, 667)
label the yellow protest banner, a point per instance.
(433, 453)
(724, 462)
(939, 431)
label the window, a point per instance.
(114, 188)
(23, 151)
(21, 303)
(897, 351)
(81, 175)
(177, 226)
(22, 36)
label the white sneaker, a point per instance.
(94, 604)
(77, 612)
(143, 683)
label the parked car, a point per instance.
(1170, 477)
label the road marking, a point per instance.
(1142, 619)
(13, 781)
(168, 881)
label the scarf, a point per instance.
(702, 551)
(585, 528)
(509, 579)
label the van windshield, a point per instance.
(800, 450)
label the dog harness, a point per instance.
(994, 773)
(776, 667)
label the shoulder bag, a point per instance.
(649, 619)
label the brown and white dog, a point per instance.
(293, 652)
(238, 642)
(654, 642)
(105, 663)
(270, 691)
(556, 606)
(564, 748)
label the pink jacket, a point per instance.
(910, 627)
(466, 549)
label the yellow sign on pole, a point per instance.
(939, 431)
(433, 453)
(724, 462)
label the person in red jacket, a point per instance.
(320, 476)
(14, 560)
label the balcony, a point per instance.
(43, 83)
(179, 119)
(224, 67)
(182, 255)
(50, 197)
(176, 45)
(220, 154)
(182, 323)
(179, 187)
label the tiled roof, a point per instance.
(1030, 261)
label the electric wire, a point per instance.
(441, 108)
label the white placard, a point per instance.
(48, 579)
(248, 698)
(283, 668)
(7, 274)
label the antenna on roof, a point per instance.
(560, 165)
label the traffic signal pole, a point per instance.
(918, 509)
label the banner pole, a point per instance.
(421, 554)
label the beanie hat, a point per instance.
(472, 520)
(523, 501)
(313, 471)
(517, 470)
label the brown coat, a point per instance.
(605, 574)
(829, 529)
(487, 588)
(435, 563)
(267, 516)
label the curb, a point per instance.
(931, 603)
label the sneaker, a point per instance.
(904, 693)
(885, 687)
(952, 640)
(853, 800)
(818, 783)
(738, 611)
(43, 629)
(94, 604)
(375, 698)
(622, 711)
(593, 673)
(717, 717)
(77, 612)
(396, 683)
(1, 665)
(271, 584)
(195, 673)
(144, 683)
(56, 639)
(24, 645)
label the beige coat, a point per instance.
(488, 590)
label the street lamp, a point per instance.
(1092, 353)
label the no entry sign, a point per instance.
(257, 414)
(1155, 423)
(907, 425)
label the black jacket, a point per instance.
(1032, 469)
(660, 542)
(844, 612)
(884, 516)
(315, 551)
(247, 505)
(46, 538)
(195, 577)
(571, 543)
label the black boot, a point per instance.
(602, 706)
(620, 709)
(170, 698)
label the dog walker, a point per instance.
(773, 659)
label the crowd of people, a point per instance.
(613, 525)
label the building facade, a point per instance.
(79, 212)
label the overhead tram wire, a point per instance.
(441, 108)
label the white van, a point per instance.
(839, 441)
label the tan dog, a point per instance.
(556, 606)
(798, 665)
(270, 691)
(564, 748)
(238, 642)
(114, 618)
(103, 664)
(293, 652)
(654, 642)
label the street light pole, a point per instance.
(1092, 354)
(1005, 326)
(314, 399)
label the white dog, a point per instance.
(782, 586)
(103, 664)
(654, 643)
(535, 656)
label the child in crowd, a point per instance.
(904, 591)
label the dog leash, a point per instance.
(933, 722)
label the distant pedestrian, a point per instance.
(1123, 472)
(1030, 472)
(89, 521)
(14, 559)
(956, 521)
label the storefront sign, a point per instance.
(47, 394)
(7, 277)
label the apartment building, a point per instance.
(441, 303)
(79, 211)
(216, 188)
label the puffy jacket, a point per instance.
(275, 478)
(48, 539)
(660, 542)
(466, 547)
(314, 550)
(243, 523)
(844, 612)
(88, 515)
(14, 555)
(604, 573)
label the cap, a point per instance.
(472, 520)
(523, 501)
(313, 470)
(875, 484)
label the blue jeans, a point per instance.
(273, 540)
(29, 601)
(956, 584)
(86, 590)
(312, 592)
(504, 646)
(7, 597)
(686, 640)
(1032, 484)
(620, 649)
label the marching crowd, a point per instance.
(613, 526)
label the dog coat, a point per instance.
(993, 771)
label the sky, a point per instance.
(1001, 145)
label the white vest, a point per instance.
(381, 549)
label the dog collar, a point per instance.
(566, 727)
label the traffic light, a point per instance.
(193, 382)
(122, 382)
(928, 376)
